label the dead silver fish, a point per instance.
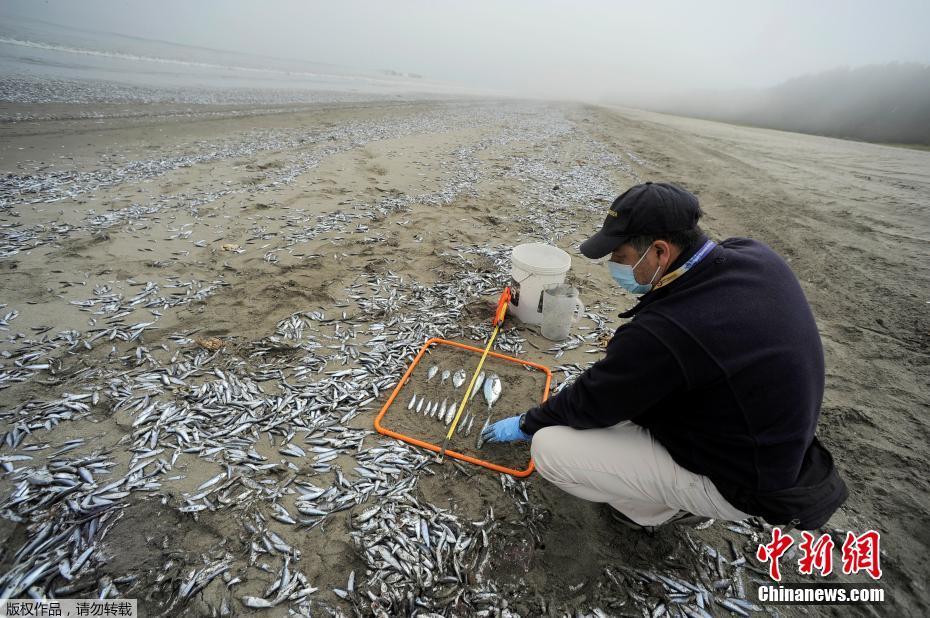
(479, 441)
(458, 378)
(445, 376)
(477, 386)
(293, 450)
(492, 392)
(492, 389)
(256, 602)
(413, 402)
(432, 372)
(463, 421)
(446, 412)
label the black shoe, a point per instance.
(625, 521)
(684, 518)
(681, 518)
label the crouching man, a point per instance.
(706, 402)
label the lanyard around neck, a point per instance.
(694, 259)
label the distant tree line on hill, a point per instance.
(877, 103)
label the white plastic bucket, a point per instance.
(533, 267)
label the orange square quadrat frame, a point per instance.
(451, 453)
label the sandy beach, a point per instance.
(320, 246)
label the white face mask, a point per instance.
(625, 278)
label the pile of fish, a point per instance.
(422, 558)
(32, 356)
(722, 578)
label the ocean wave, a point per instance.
(347, 77)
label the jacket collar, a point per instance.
(655, 294)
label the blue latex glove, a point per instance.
(507, 430)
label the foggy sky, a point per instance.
(588, 50)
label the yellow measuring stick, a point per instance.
(498, 320)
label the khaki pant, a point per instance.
(626, 468)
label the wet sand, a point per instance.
(398, 217)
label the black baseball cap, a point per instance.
(648, 209)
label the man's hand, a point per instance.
(507, 430)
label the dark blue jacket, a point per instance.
(725, 368)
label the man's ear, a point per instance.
(663, 248)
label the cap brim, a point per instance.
(601, 245)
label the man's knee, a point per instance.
(542, 448)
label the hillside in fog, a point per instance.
(877, 103)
